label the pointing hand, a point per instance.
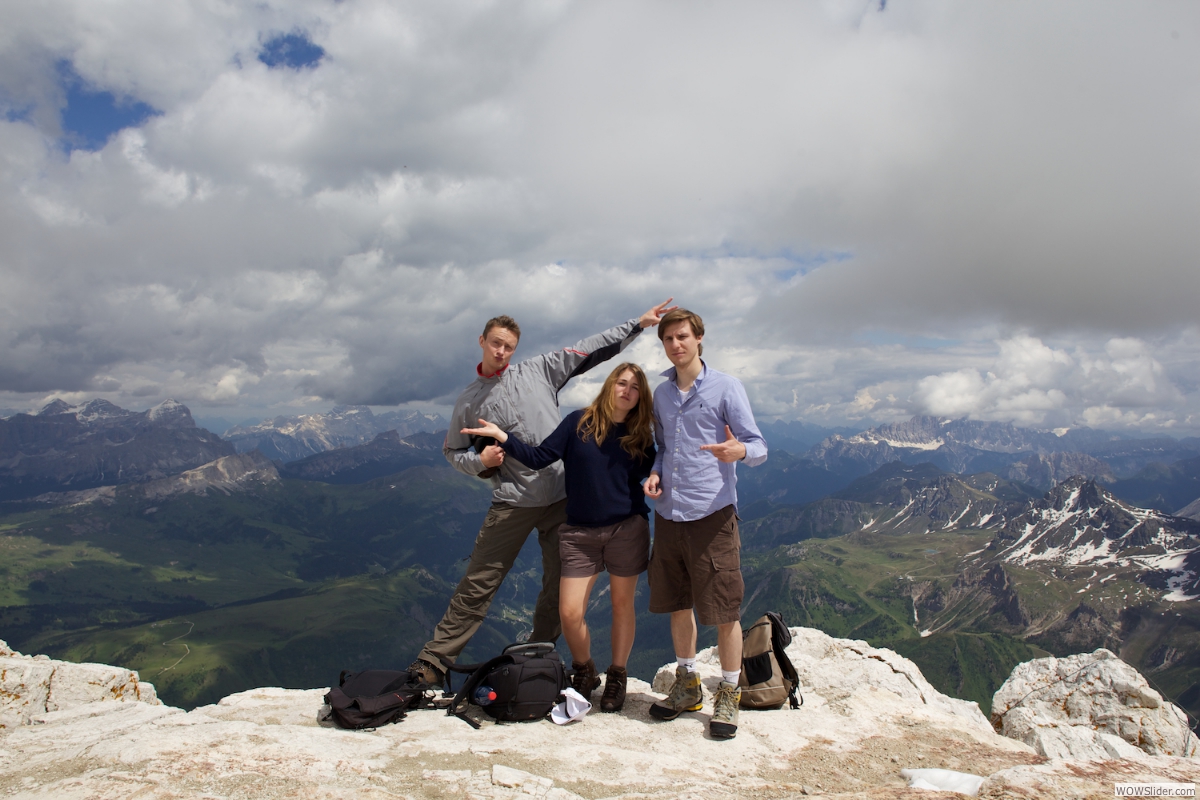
(729, 451)
(487, 429)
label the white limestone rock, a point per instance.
(34, 685)
(1086, 780)
(867, 715)
(267, 743)
(1089, 706)
(843, 671)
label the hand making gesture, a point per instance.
(729, 451)
(487, 429)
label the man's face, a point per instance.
(680, 344)
(498, 346)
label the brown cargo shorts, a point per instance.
(698, 565)
(623, 549)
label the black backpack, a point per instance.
(528, 679)
(374, 697)
(768, 676)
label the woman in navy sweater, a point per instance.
(607, 450)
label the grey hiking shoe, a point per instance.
(723, 724)
(584, 678)
(422, 670)
(686, 695)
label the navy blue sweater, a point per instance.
(603, 483)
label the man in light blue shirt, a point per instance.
(703, 426)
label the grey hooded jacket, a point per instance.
(524, 400)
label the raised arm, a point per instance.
(562, 365)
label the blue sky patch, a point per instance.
(292, 51)
(91, 116)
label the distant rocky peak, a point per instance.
(98, 409)
(921, 433)
(171, 411)
(56, 406)
(1078, 523)
(1079, 493)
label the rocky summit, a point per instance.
(870, 724)
(73, 448)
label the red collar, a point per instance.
(496, 374)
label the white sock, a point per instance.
(731, 677)
(690, 663)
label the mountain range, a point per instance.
(1159, 473)
(69, 448)
(274, 571)
(1040, 458)
(1079, 524)
(293, 438)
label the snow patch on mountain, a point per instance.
(1078, 523)
(867, 438)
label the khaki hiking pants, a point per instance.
(504, 532)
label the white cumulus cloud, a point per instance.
(980, 209)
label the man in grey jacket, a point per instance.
(522, 399)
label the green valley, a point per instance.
(284, 584)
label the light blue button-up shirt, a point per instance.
(694, 483)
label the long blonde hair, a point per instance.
(597, 419)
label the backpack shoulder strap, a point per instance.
(779, 629)
(781, 637)
(458, 706)
(451, 668)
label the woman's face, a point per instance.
(626, 393)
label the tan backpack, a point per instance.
(768, 677)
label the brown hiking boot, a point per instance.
(686, 695)
(614, 689)
(584, 678)
(423, 671)
(724, 722)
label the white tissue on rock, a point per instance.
(943, 780)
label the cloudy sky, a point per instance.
(880, 209)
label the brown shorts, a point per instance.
(698, 565)
(623, 549)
